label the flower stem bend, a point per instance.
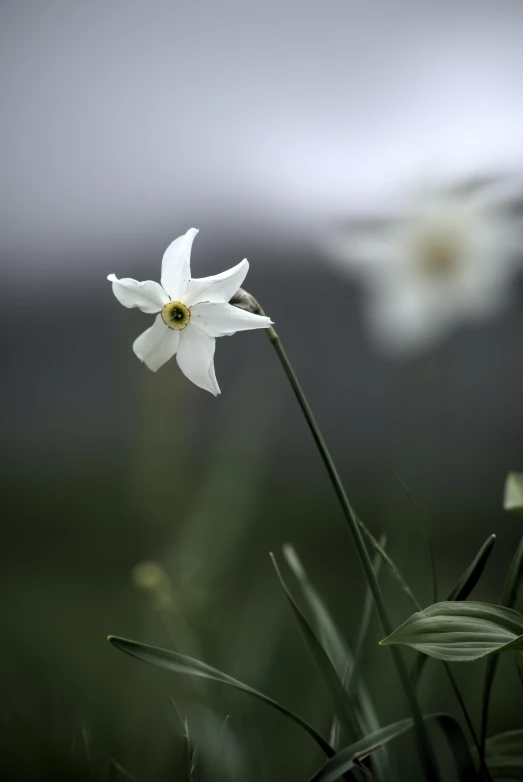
(426, 753)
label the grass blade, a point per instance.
(345, 760)
(464, 585)
(368, 608)
(342, 659)
(118, 772)
(391, 565)
(504, 754)
(459, 748)
(188, 666)
(508, 599)
(426, 533)
(514, 577)
(326, 669)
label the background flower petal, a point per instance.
(149, 296)
(176, 265)
(218, 288)
(220, 320)
(196, 358)
(156, 345)
(409, 318)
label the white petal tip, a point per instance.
(112, 278)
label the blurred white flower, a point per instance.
(449, 257)
(192, 313)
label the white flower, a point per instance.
(192, 313)
(450, 257)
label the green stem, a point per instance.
(466, 715)
(426, 533)
(425, 750)
(490, 672)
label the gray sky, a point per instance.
(126, 121)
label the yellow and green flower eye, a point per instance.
(176, 315)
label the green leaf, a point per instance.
(513, 578)
(426, 533)
(513, 498)
(460, 631)
(331, 680)
(389, 562)
(342, 658)
(180, 663)
(346, 759)
(366, 615)
(460, 591)
(504, 755)
(458, 746)
(464, 585)
(508, 598)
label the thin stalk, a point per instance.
(455, 688)
(426, 533)
(426, 753)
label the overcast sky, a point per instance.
(126, 120)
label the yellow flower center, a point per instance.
(440, 251)
(176, 315)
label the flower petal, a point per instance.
(149, 296)
(196, 358)
(220, 320)
(176, 265)
(410, 318)
(218, 288)
(156, 345)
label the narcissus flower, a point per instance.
(191, 313)
(449, 257)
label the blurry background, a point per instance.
(124, 124)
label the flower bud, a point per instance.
(245, 301)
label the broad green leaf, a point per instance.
(180, 663)
(460, 591)
(460, 631)
(346, 759)
(513, 498)
(504, 755)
